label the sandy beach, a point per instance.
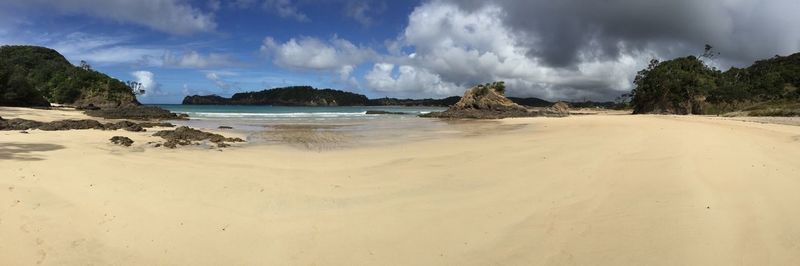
(584, 190)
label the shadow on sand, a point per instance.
(25, 151)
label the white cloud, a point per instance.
(96, 49)
(409, 81)
(149, 84)
(452, 49)
(171, 16)
(314, 54)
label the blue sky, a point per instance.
(428, 48)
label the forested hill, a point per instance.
(308, 96)
(37, 76)
(289, 96)
(688, 86)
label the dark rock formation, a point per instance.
(136, 113)
(18, 124)
(123, 141)
(185, 135)
(126, 125)
(24, 124)
(71, 125)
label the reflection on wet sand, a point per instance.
(321, 137)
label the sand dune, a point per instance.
(587, 190)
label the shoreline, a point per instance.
(595, 189)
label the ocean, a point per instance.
(320, 127)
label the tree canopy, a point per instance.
(34, 76)
(688, 86)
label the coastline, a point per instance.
(595, 189)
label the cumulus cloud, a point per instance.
(572, 49)
(559, 31)
(409, 81)
(170, 16)
(149, 84)
(307, 53)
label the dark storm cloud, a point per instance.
(742, 30)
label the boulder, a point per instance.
(186, 135)
(559, 109)
(123, 141)
(126, 125)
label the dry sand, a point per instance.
(587, 190)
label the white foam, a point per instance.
(275, 115)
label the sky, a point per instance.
(555, 50)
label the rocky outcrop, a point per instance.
(185, 136)
(136, 113)
(122, 141)
(483, 102)
(71, 125)
(488, 102)
(24, 124)
(559, 109)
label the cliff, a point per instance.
(38, 76)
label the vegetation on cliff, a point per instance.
(688, 86)
(37, 76)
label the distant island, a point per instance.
(309, 96)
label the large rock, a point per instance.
(484, 102)
(488, 102)
(186, 135)
(24, 124)
(135, 112)
(122, 141)
(71, 125)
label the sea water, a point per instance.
(318, 127)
